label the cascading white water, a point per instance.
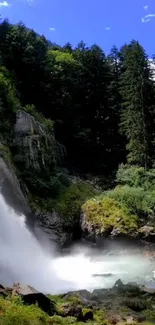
(23, 259)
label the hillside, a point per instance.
(69, 117)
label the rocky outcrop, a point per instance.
(52, 225)
(29, 166)
(30, 296)
(122, 304)
(31, 143)
(103, 218)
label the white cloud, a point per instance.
(30, 2)
(148, 18)
(52, 29)
(146, 7)
(4, 4)
(107, 28)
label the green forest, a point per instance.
(98, 113)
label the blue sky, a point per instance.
(105, 22)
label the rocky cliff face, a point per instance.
(32, 151)
(31, 143)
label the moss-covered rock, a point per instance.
(104, 215)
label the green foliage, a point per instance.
(136, 192)
(137, 91)
(5, 152)
(105, 213)
(62, 57)
(8, 105)
(136, 176)
(84, 93)
(136, 199)
(70, 201)
(58, 320)
(12, 311)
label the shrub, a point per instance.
(104, 213)
(137, 200)
(136, 176)
(12, 311)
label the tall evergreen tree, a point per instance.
(137, 92)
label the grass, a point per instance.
(13, 312)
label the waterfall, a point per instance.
(23, 259)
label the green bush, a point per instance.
(137, 200)
(137, 192)
(136, 176)
(9, 103)
(104, 213)
(13, 312)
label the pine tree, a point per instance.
(117, 141)
(137, 92)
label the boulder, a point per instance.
(43, 302)
(31, 296)
(3, 291)
(21, 289)
(75, 310)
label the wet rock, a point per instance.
(52, 225)
(30, 138)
